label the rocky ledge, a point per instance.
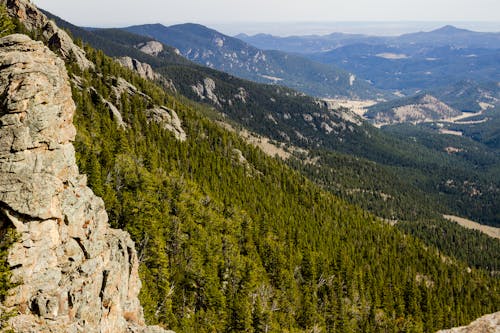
(486, 324)
(75, 273)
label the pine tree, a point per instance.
(6, 24)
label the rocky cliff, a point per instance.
(75, 273)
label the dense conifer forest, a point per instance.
(232, 245)
(413, 162)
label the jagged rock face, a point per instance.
(76, 274)
(33, 19)
(486, 324)
(143, 69)
(206, 90)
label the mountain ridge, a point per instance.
(321, 43)
(213, 49)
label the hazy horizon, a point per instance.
(283, 18)
(376, 28)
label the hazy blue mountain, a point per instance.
(215, 50)
(452, 36)
(415, 67)
(306, 44)
(408, 63)
(445, 36)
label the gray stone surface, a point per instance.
(169, 120)
(146, 71)
(143, 69)
(152, 47)
(76, 274)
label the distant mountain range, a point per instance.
(445, 36)
(407, 63)
(210, 48)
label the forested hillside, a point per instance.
(395, 176)
(230, 239)
(232, 244)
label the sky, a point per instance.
(281, 16)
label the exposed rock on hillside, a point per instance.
(76, 274)
(34, 20)
(152, 48)
(169, 120)
(146, 71)
(206, 90)
(486, 324)
(143, 69)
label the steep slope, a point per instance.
(288, 117)
(232, 240)
(278, 112)
(236, 241)
(74, 273)
(213, 49)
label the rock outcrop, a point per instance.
(143, 69)
(169, 120)
(206, 90)
(486, 324)
(35, 21)
(76, 274)
(152, 47)
(146, 72)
